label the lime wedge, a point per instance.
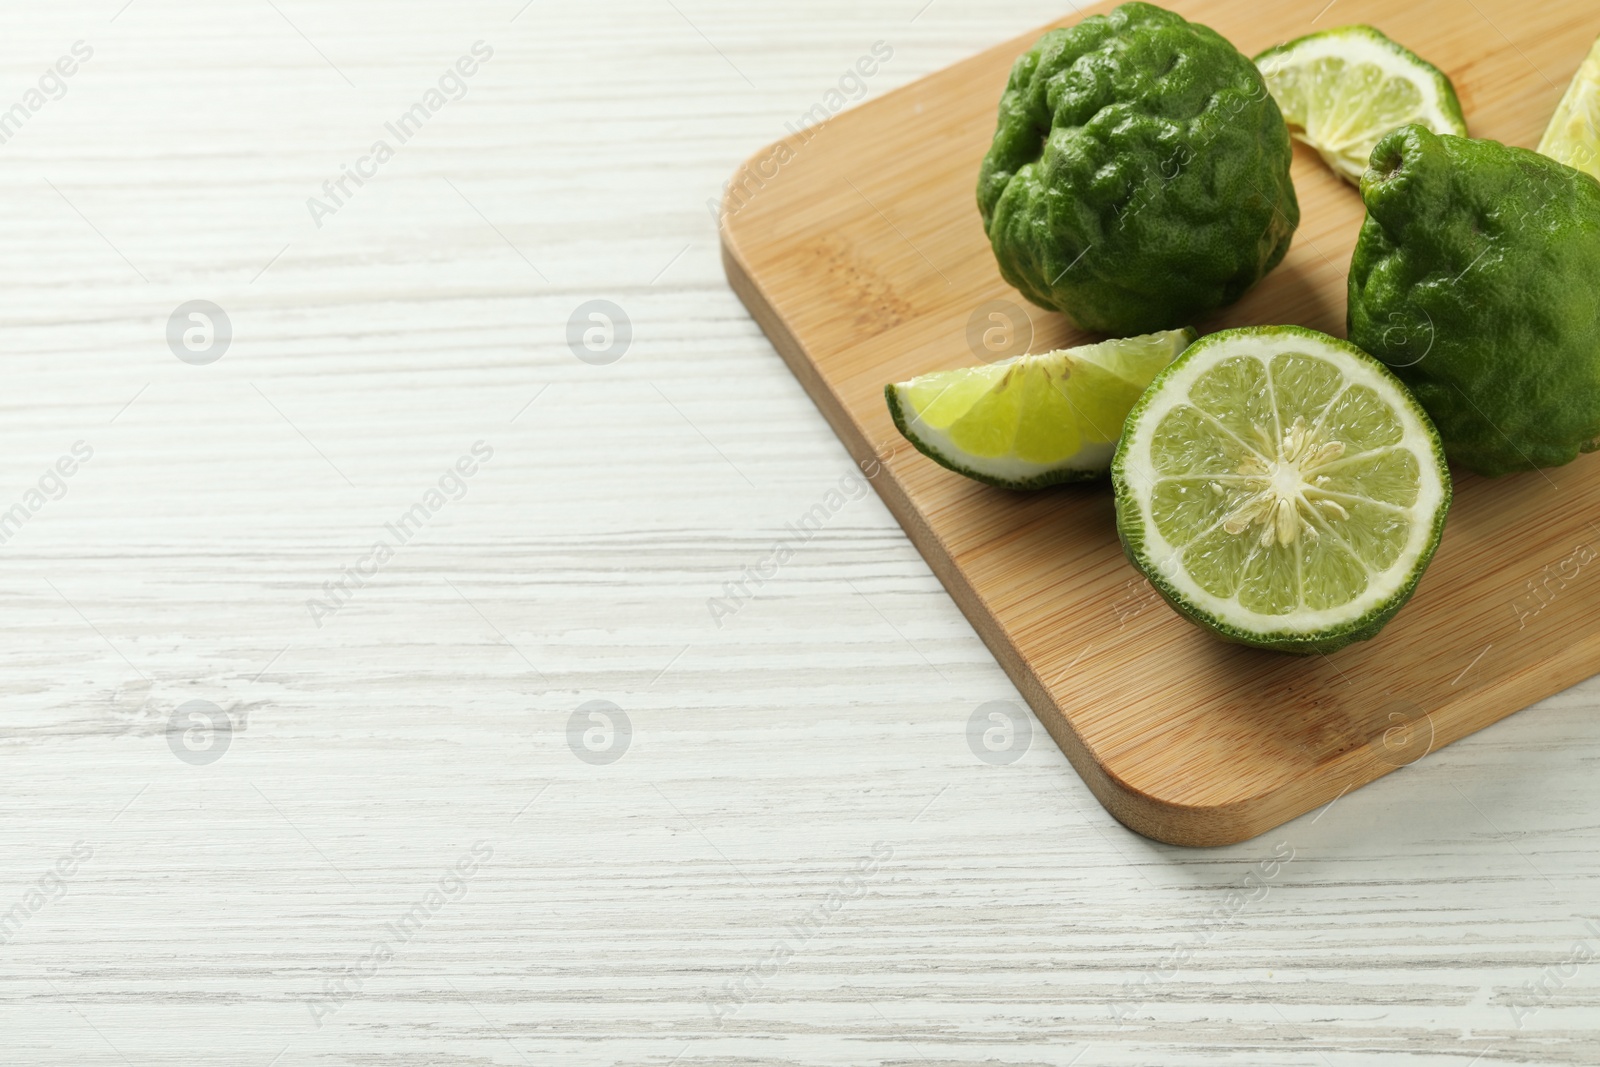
(1032, 421)
(1281, 488)
(1342, 90)
(1574, 134)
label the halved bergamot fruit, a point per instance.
(1281, 488)
(1341, 91)
(1032, 421)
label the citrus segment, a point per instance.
(1032, 421)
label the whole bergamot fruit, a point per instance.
(1139, 177)
(1474, 279)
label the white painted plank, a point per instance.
(1002, 916)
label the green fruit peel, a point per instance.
(1474, 280)
(1139, 176)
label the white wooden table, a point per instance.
(402, 841)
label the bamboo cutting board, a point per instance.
(858, 248)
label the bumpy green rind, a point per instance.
(1043, 481)
(1139, 176)
(1474, 279)
(1131, 532)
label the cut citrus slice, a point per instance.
(1342, 90)
(1032, 421)
(1574, 134)
(1281, 488)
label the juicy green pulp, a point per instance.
(1139, 176)
(1344, 107)
(1043, 409)
(1573, 136)
(1198, 449)
(1474, 280)
(1345, 99)
(903, 421)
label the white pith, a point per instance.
(1091, 459)
(1360, 49)
(1141, 476)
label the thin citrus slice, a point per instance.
(1574, 134)
(1342, 90)
(1032, 421)
(1281, 488)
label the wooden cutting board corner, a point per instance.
(856, 246)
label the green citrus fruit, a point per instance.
(1032, 421)
(1281, 488)
(1474, 280)
(1573, 136)
(1342, 90)
(1139, 176)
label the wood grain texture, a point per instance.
(1016, 922)
(859, 248)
